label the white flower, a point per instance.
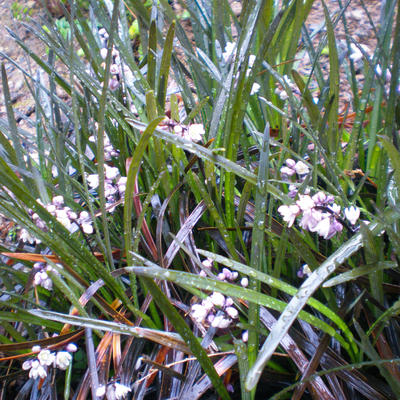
(101, 391)
(58, 201)
(103, 53)
(26, 237)
(207, 263)
(244, 282)
(230, 49)
(232, 312)
(218, 299)
(45, 357)
(323, 227)
(195, 132)
(283, 95)
(71, 347)
(245, 336)
(36, 349)
(27, 365)
(63, 359)
(286, 171)
(310, 219)
(352, 214)
(37, 370)
(220, 322)
(255, 88)
(305, 202)
(120, 391)
(111, 172)
(207, 304)
(301, 168)
(93, 180)
(289, 213)
(198, 313)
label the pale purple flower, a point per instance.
(305, 202)
(323, 228)
(319, 198)
(71, 347)
(289, 213)
(207, 263)
(352, 214)
(310, 219)
(287, 171)
(113, 84)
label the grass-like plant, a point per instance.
(195, 218)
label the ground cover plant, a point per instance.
(200, 219)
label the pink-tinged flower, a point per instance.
(218, 299)
(336, 227)
(63, 359)
(198, 313)
(319, 198)
(352, 214)
(290, 163)
(113, 84)
(289, 213)
(71, 347)
(27, 365)
(227, 273)
(286, 171)
(207, 263)
(37, 370)
(305, 202)
(46, 357)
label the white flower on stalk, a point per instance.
(37, 370)
(63, 359)
(352, 214)
(46, 357)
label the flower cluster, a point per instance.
(41, 277)
(217, 310)
(319, 213)
(114, 391)
(115, 68)
(114, 185)
(38, 367)
(281, 92)
(64, 215)
(228, 56)
(109, 151)
(193, 132)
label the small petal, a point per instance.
(352, 214)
